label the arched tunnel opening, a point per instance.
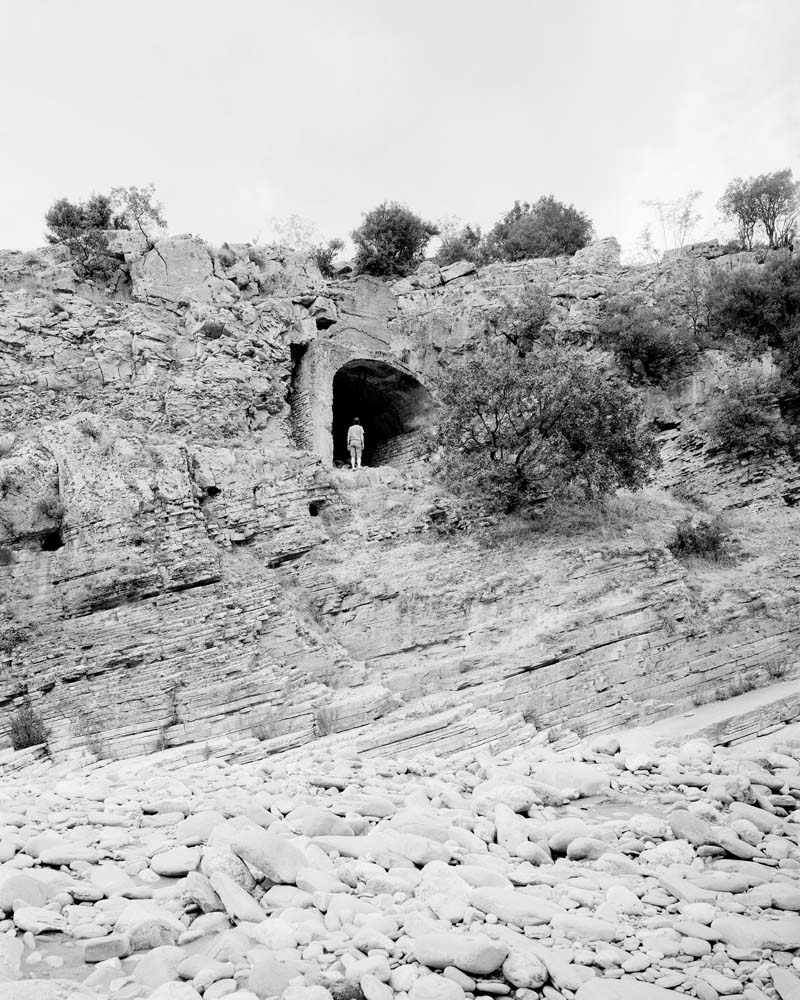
(393, 408)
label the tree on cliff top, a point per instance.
(547, 228)
(517, 432)
(80, 227)
(138, 209)
(771, 201)
(391, 241)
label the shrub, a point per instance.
(645, 343)
(6, 556)
(516, 433)
(323, 255)
(79, 226)
(460, 244)
(391, 241)
(708, 539)
(747, 418)
(49, 507)
(226, 255)
(27, 727)
(547, 228)
(759, 302)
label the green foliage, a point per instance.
(518, 432)
(547, 228)
(706, 539)
(391, 241)
(645, 340)
(747, 418)
(464, 243)
(324, 254)
(768, 203)
(27, 727)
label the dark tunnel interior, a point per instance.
(390, 405)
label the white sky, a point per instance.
(250, 109)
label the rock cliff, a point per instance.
(181, 562)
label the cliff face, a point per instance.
(175, 568)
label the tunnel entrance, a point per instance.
(393, 408)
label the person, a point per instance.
(355, 443)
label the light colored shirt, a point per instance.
(355, 436)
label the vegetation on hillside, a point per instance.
(81, 227)
(520, 431)
(766, 206)
(391, 240)
(647, 338)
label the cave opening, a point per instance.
(51, 541)
(393, 408)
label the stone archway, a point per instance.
(393, 406)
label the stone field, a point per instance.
(592, 872)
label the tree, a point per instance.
(324, 255)
(516, 432)
(80, 227)
(675, 219)
(458, 243)
(547, 228)
(391, 240)
(645, 339)
(771, 201)
(747, 417)
(137, 208)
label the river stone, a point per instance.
(514, 907)
(474, 954)
(175, 991)
(626, 988)
(696, 752)
(441, 889)
(177, 862)
(237, 902)
(269, 978)
(278, 859)
(786, 983)
(100, 949)
(687, 826)
(585, 779)
(16, 886)
(148, 926)
(781, 934)
(435, 987)
(159, 965)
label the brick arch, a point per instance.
(332, 382)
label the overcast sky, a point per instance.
(247, 110)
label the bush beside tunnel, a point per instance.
(393, 408)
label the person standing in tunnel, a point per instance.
(355, 443)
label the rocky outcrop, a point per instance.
(176, 570)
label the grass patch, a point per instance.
(27, 727)
(703, 539)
